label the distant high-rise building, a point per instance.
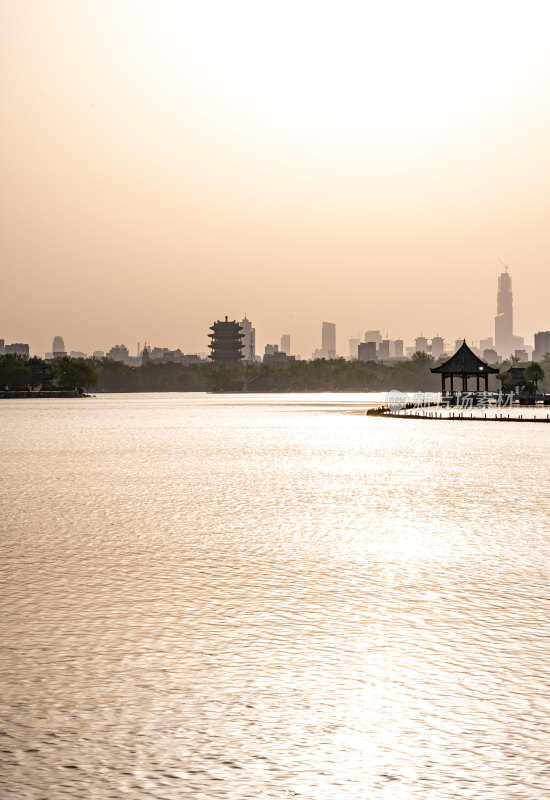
(373, 336)
(271, 349)
(504, 320)
(58, 347)
(353, 345)
(2, 343)
(367, 351)
(438, 346)
(328, 340)
(421, 344)
(522, 355)
(249, 341)
(226, 344)
(398, 348)
(384, 349)
(542, 345)
(285, 343)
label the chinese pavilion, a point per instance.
(463, 365)
(226, 344)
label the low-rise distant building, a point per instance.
(98, 354)
(367, 351)
(118, 353)
(490, 355)
(277, 358)
(77, 354)
(17, 349)
(522, 355)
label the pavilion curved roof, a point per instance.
(465, 362)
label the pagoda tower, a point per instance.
(226, 344)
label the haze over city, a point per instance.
(166, 164)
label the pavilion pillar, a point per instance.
(464, 382)
(442, 383)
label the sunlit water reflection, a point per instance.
(252, 597)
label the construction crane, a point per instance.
(503, 264)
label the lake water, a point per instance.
(271, 597)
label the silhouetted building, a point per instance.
(58, 347)
(77, 354)
(249, 341)
(328, 340)
(98, 354)
(285, 343)
(2, 344)
(398, 348)
(490, 355)
(542, 345)
(438, 346)
(421, 345)
(353, 345)
(271, 349)
(486, 344)
(17, 349)
(367, 351)
(522, 355)
(226, 344)
(384, 349)
(119, 353)
(277, 357)
(373, 336)
(504, 320)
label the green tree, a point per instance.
(74, 374)
(15, 374)
(535, 373)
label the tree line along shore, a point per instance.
(337, 375)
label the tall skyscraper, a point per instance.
(285, 343)
(249, 340)
(328, 340)
(58, 347)
(504, 320)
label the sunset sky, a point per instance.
(166, 163)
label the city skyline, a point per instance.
(182, 170)
(503, 344)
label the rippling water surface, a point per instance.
(271, 597)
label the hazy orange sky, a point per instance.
(167, 163)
